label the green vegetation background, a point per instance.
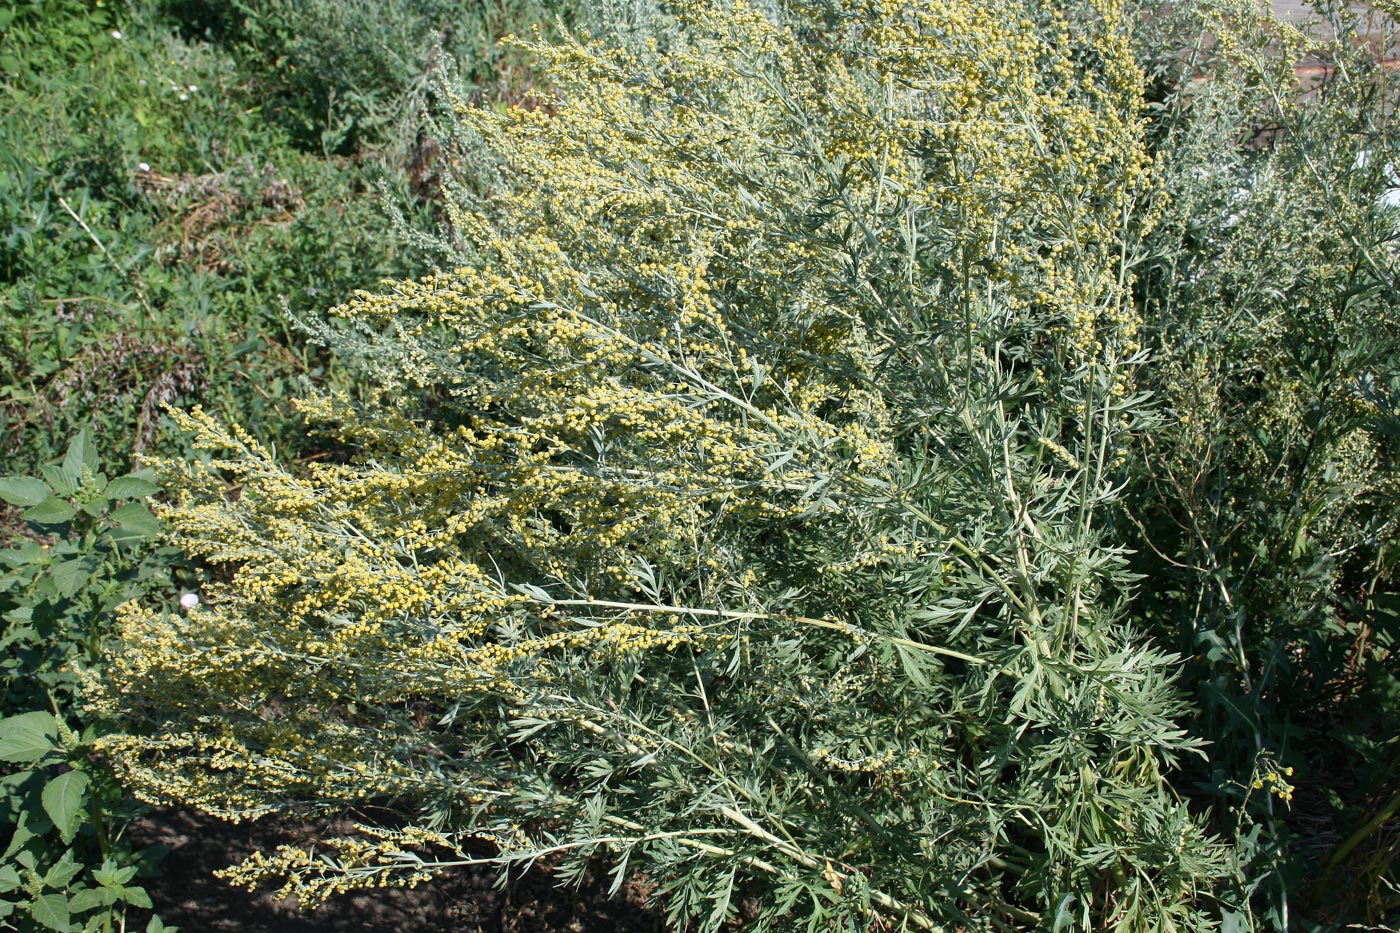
(178, 180)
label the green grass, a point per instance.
(153, 224)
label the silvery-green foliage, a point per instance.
(1267, 495)
(744, 511)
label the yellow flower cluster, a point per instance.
(371, 858)
(1274, 777)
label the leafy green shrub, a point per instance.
(746, 516)
(66, 867)
(1268, 498)
(89, 547)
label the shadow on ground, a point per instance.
(188, 895)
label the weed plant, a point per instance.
(865, 465)
(67, 865)
(747, 514)
(1267, 499)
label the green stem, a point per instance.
(1372, 826)
(737, 615)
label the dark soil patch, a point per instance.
(462, 901)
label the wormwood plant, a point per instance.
(344, 75)
(745, 515)
(1268, 502)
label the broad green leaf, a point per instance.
(15, 786)
(52, 911)
(62, 483)
(27, 737)
(70, 575)
(32, 552)
(24, 490)
(91, 899)
(157, 925)
(136, 518)
(131, 487)
(63, 800)
(81, 453)
(9, 879)
(21, 616)
(109, 875)
(63, 871)
(51, 511)
(137, 897)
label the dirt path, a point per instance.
(1296, 11)
(1301, 13)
